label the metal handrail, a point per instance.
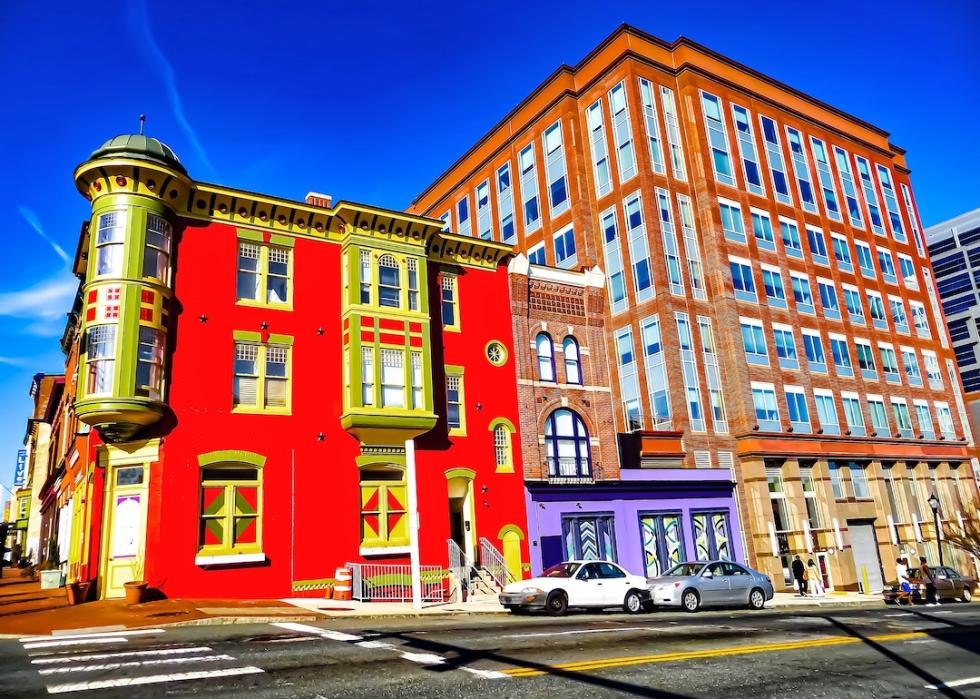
(492, 561)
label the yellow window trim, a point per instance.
(403, 290)
(454, 370)
(263, 273)
(229, 485)
(260, 378)
(455, 326)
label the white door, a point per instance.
(585, 589)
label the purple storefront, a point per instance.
(646, 521)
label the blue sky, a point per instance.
(371, 101)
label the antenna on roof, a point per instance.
(142, 123)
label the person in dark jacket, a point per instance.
(926, 575)
(799, 572)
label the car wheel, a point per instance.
(757, 599)
(966, 595)
(633, 604)
(557, 603)
(691, 601)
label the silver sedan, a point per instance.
(699, 584)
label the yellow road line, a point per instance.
(708, 653)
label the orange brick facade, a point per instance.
(620, 76)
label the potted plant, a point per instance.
(78, 592)
(136, 588)
(51, 575)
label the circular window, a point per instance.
(496, 353)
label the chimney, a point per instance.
(317, 199)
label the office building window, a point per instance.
(886, 265)
(484, 223)
(903, 422)
(891, 203)
(555, 168)
(826, 411)
(865, 259)
(810, 498)
(656, 369)
(801, 292)
(762, 228)
(859, 480)
(910, 362)
(866, 359)
(742, 281)
(877, 310)
(828, 298)
(755, 342)
(772, 281)
(801, 169)
(791, 237)
(731, 221)
(600, 156)
(649, 102)
(612, 249)
(671, 252)
(692, 383)
(785, 346)
(818, 247)
(713, 375)
(889, 362)
(692, 250)
(913, 219)
(897, 307)
(924, 418)
(847, 184)
(505, 203)
(639, 248)
(815, 357)
(777, 498)
(907, 268)
(746, 147)
(622, 132)
(565, 255)
(841, 252)
(672, 124)
(879, 420)
(919, 318)
(799, 414)
(766, 411)
(842, 358)
(826, 179)
(529, 189)
(836, 480)
(852, 414)
(463, 216)
(945, 419)
(628, 381)
(536, 255)
(714, 119)
(852, 300)
(870, 196)
(774, 156)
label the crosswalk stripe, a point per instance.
(152, 679)
(326, 633)
(74, 642)
(133, 663)
(124, 654)
(104, 634)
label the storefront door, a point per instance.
(589, 537)
(711, 536)
(124, 541)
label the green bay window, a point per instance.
(109, 242)
(156, 251)
(100, 343)
(149, 363)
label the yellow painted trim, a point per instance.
(260, 377)
(263, 274)
(397, 460)
(246, 336)
(123, 453)
(460, 472)
(454, 370)
(501, 421)
(486, 353)
(281, 339)
(508, 528)
(233, 455)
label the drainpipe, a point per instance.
(413, 524)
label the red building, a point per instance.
(287, 387)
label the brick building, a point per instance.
(770, 242)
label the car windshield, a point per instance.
(685, 569)
(562, 570)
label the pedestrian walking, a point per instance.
(799, 572)
(925, 574)
(904, 594)
(814, 579)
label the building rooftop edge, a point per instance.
(626, 28)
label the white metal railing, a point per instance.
(385, 582)
(569, 467)
(492, 561)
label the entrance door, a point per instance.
(461, 528)
(123, 546)
(864, 548)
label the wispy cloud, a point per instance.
(32, 219)
(140, 25)
(47, 301)
(17, 361)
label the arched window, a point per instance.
(546, 357)
(503, 452)
(567, 441)
(573, 365)
(389, 282)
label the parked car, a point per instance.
(697, 584)
(588, 584)
(950, 586)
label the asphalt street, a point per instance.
(877, 651)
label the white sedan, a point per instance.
(592, 584)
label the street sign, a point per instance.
(20, 472)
